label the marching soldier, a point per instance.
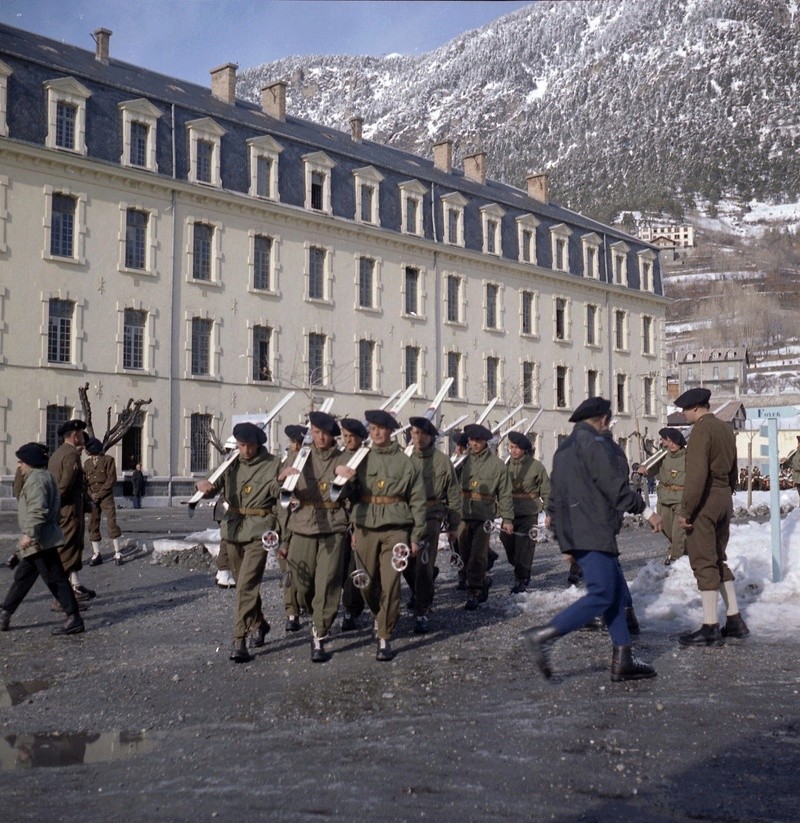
(793, 462)
(291, 607)
(318, 526)
(251, 486)
(443, 504)
(530, 487)
(486, 492)
(101, 475)
(389, 509)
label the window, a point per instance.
(199, 440)
(411, 215)
(453, 214)
(592, 383)
(316, 359)
(559, 241)
(318, 167)
(366, 365)
(622, 394)
(205, 147)
(262, 262)
(646, 263)
(201, 346)
(59, 331)
(137, 155)
(366, 282)
(203, 236)
(139, 120)
(715, 372)
(591, 256)
(454, 371)
(133, 334)
(491, 306)
(56, 417)
(411, 291)
(648, 390)
(367, 186)
(529, 383)
(66, 114)
(620, 330)
(592, 327)
(526, 238)
(62, 225)
(317, 263)
(412, 193)
(492, 377)
(264, 153)
(5, 73)
(619, 263)
(318, 180)
(561, 319)
(647, 335)
(262, 368)
(528, 312)
(367, 198)
(491, 219)
(136, 239)
(412, 365)
(132, 444)
(562, 387)
(453, 298)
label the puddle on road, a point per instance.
(28, 751)
(13, 693)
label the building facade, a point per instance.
(162, 240)
(668, 235)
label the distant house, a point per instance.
(680, 235)
(730, 411)
(723, 371)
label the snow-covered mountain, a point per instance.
(628, 104)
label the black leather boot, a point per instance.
(5, 619)
(239, 653)
(385, 652)
(258, 638)
(318, 653)
(540, 642)
(735, 627)
(706, 635)
(72, 625)
(630, 619)
(624, 666)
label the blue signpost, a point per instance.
(774, 498)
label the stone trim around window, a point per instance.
(527, 223)
(371, 178)
(204, 128)
(78, 334)
(647, 260)
(5, 72)
(412, 190)
(268, 149)
(150, 269)
(453, 202)
(492, 229)
(590, 246)
(79, 238)
(67, 90)
(149, 339)
(318, 162)
(560, 234)
(215, 280)
(144, 112)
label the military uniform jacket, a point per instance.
(710, 463)
(251, 488)
(39, 512)
(317, 514)
(486, 488)
(65, 466)
(442, 492)
(589, 492)
(530, 485)
(101, 474)
(794, 463)
(671, 475)
(389, 479)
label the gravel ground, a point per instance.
(144, 715)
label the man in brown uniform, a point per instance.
(65, 466)
(291, 606)
(705, 513)
(101, 475)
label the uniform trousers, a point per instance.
(519, 547)
(247, 561)
(47, 565)
(419, 572)
(315, 562)
(374, 549)
(222, 558)
(291, 606)
(473, 546)
(707, 541)
(104, 505)
(607, 594)
(675, 534)
(352, 600)
(73, 527)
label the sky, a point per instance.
(186, 38)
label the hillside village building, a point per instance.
(162, 240)
(668, 235)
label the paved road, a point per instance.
(144, 716)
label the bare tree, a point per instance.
(126, 419)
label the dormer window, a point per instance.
(412, 194)
(619, 263)
(367, 187)
(491, 218)
(559, 240)
(5, 73)
(453, 213)
(526, 238)
(205, 149)
(318, 167)
(591, 255)
(264, 154)
(139, 119)
(646, 263)
(66, 114)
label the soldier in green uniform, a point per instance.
(670, 473)
(389, 509)
(486, 493)
(101, 475)
(705, 512)
(353, 435)
(443, 504)
(793, 462)
(318, 526)
(251, 486)
(291, 606)
(530, 489)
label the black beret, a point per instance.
(295, 432)
(33, 454)
(324, 422)
(591, 407)
(425, 425)
(71, 426)
(94, 446)
(249, 433)
(674, 435)
(474, 431)
(519, 440)
(693, 397)
(461, 440)
(379, 417)
(354, 426)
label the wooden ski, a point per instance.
(430, 412)
(496, 428)
(289, 485)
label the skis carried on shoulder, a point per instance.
(481, 417)
(355, 461)
(496, 428)
(289, 485)
(430, 412)
(234, 455)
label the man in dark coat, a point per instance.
(589, 494)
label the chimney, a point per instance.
(101, 39)
(356, 128)
(537, 187)
(223, 82)
(273, 100)
(475, 167)
(443, 156)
